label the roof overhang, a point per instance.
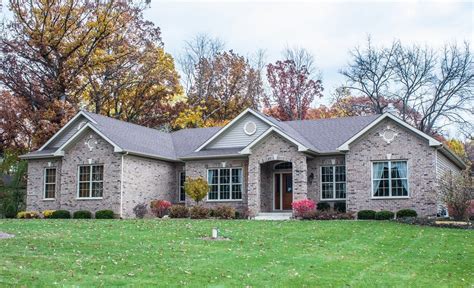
(33, 157)
(81, 113)
(60, 151)
(431, 140)
(227, 156)
(231, 123)
(247, 149)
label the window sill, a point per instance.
(225, 200)
(49, 199)
(390, 198)
(332, 200)
(90, 198)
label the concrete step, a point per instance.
(274, 216)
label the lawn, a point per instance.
(260, 254)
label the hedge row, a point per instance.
(385, 215)
(64, 214)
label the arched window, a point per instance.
(283, 166)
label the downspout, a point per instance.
(121, 187)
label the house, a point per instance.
(255, 163)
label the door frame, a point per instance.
(289, 171)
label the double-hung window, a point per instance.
(91, 181)
(225, 184)
(333, 182)
(49, 183)
(182, 179)
(389, 179)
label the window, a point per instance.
(283, 166)
(182, 179)
(91, 181)
(49, 183)
(389, 179)
(333, 182)
(225, 184)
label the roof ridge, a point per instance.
(333, 118)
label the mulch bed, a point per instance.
(444, 223)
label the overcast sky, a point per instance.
(326, 29)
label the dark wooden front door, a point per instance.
(283, 184)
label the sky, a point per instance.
(327, 29)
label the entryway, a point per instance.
(282, 187)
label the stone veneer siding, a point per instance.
(406, 146)
(145, 180)
(66, 190)
(198, 168)
(275, 148)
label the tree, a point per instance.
(292, 91)
(196, 188)
(457, 147)
(302, 58)
(58, 56)
(225, 85)
(457, 191)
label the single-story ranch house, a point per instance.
(255, 163)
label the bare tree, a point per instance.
(371, 72)
(201, 47)
(302, 58)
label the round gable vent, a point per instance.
(250, 128)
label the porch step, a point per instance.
(274, 216)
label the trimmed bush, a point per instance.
(10, 210)
(27, 215)
(366, 214)
(199, 212)
(323, 206)
(140, 210)
(303, 207)
(179, 211)
(384, 215)
(104, 214)
(160, 207)
(48, 213)
(61, 214)
(82, 214)
(340, 207)
(406, 213)
(224, 212)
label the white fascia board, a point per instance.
(300, 146)
(231, 123)
(60, 151)
(431, 140)
(81, 113)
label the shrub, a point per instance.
(160, 207)
(179, 211)
(457, 191)
(48, 213)
(328, 215)
(302, 207)
(238, 215)
(140, 210)
(384, 215)
(322, 206)
(340, 207)
(104, 214)
(366, 214)
(27, 215)
(82, 214)
(199, 212)
(196, 188)
(61, 214)
(224, 212)
(406, 213)
(10, 210)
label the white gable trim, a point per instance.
(231, 123)
(300, 146)
(431, 140)
(60, 151)
(81, 113)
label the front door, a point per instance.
(283, 192)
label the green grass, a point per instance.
(261, 254)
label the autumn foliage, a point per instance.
(303, 207)
(160, 207)
(196, 188)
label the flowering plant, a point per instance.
(303, 207)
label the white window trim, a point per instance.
(372, 192)
(219, 185)
(333, 182)
(55, 183)
(179, 187)
(90, 182)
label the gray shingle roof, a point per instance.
(321, 136)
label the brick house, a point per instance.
(255, 163)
